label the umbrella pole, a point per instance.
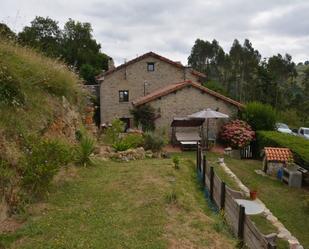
(207, 133)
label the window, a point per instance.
(123, 96)
(150, 66)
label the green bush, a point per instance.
(41, 162)
(84, 150)
(176, 161)
(260, 116)
(121, 145)
(113, 132)
(135, 140)
(298, 145)
(153, 141)
(129, 141)
(144, 115)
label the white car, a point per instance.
(303, 132)
(281, 127)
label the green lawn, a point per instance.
(286, 203)
(140, 204)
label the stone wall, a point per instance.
(132, 78)
(187, 101)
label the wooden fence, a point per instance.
(224, 199)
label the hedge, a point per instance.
(298, 145)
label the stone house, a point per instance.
(171, 88)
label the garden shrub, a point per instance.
(129, 141)
(176, 161)
(237, 134)
(42, 161)
(153, 141)
(135, 140)
(113, 132)
(260, 116)
(298, 145)
(121, 145)
(144, 115)
(85, 149)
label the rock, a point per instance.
(128, 155)
(260, 172)
(165, 155)
(157, 154)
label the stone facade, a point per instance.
(187, 101)
(133, 78)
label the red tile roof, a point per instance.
(159, 57)
(278, 154)
(177, 86)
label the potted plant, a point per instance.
(253, 191)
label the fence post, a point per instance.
(197, 155)
(204, 170)
(201, 158)
(222, 199)
(211, 190)
(241, 222)
(271, 245)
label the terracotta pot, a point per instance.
(253, 194)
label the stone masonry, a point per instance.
(132, 78)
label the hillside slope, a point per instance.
(40, 102)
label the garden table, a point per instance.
(251, 207)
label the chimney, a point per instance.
(111, 64)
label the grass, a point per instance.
(140, 204)
(286, 203)
(42, 82)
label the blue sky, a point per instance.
(127, 28)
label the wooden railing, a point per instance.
(223, 197)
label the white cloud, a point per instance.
(127, 28)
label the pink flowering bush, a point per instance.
(237, 134)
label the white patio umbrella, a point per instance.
(208, 114)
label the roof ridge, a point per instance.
(176, 86)
(150, 53)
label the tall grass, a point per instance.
(41, 82)
(35, 71)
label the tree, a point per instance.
(74, 44)
(6, 32)
(43, 34)
(207, 57)
(244, 62)
(242, 75)
(283, 73)
(82, 51)
(303, 99)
